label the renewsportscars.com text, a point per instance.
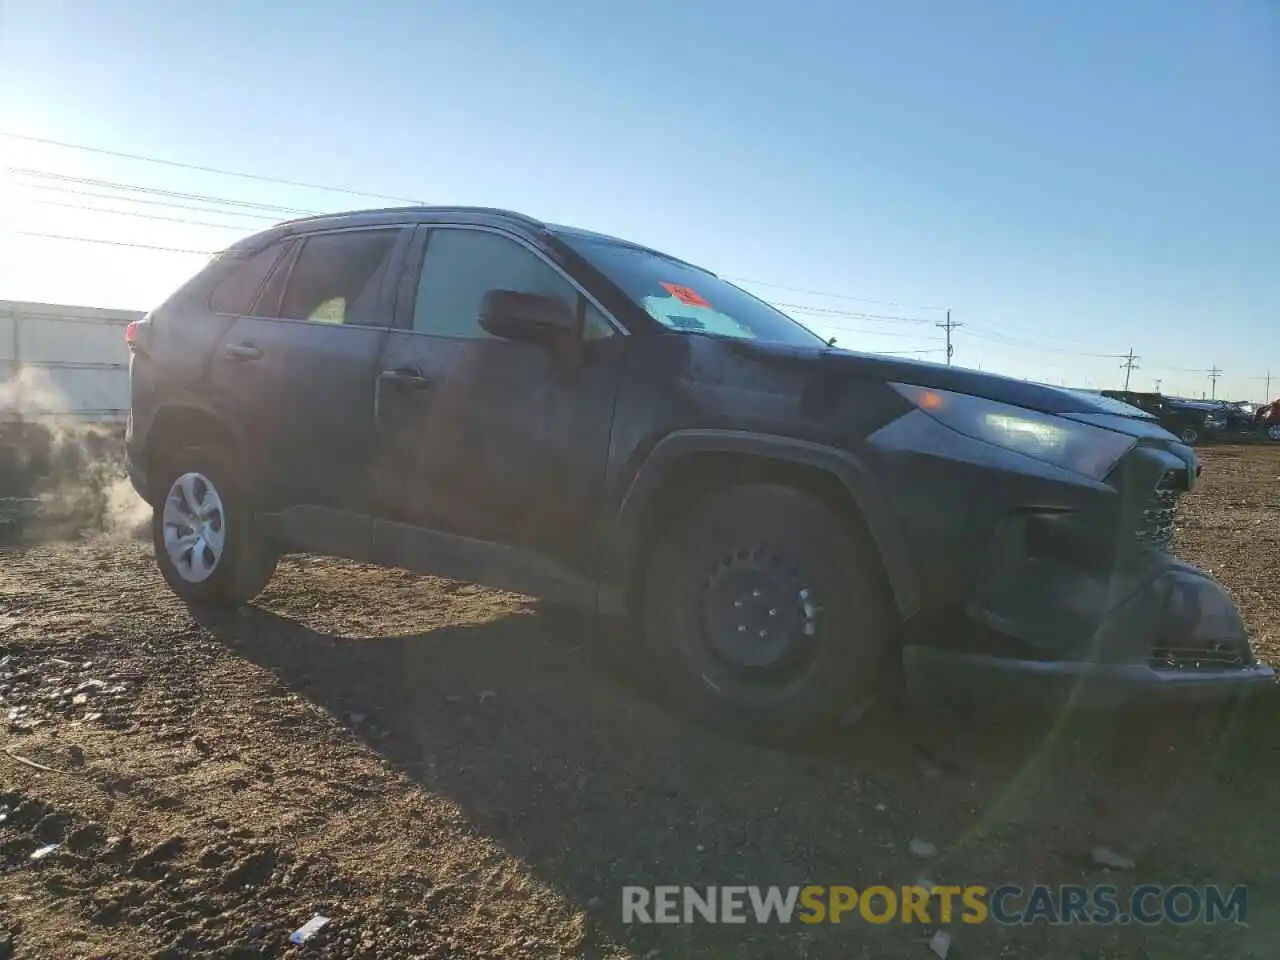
(1006, 904)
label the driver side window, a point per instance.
(460, 266)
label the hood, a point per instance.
(1019, 393)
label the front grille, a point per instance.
(1198, 658)
(1155, 528)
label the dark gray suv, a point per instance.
(479, 395)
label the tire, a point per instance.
(238, 562)
(1190, 436)
(1273, 431)
(774, 556)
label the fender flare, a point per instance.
(844, 466)
(182, 405)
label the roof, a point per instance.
(424, 213)
(427, 214)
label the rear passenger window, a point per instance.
(236, 291)
(336, 276)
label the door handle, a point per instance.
(408, 378)
(402, 378)
(242, 351)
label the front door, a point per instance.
(485, 438)
(300, 369)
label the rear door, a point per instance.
(298, 370)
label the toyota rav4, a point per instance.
(478, 395)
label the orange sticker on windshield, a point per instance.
(686, 295)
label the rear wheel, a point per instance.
(1273, 431)
(207, 542)
(767, 618)
(1189, 436)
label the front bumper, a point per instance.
(938, 675)
(1170, 632)
(1054, 586)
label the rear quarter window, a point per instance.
(236, 291)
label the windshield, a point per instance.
(684, 298)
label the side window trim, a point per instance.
(286, 245)
(283, 268)
(403, 232)
(407, 291)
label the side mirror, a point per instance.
(526, 316)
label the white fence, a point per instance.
(59, 361)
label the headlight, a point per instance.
(1064, 443)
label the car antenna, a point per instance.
(831, 342)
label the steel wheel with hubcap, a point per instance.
(1189, 436)
(766, 614)
(208, 545)
(1273, 431)
(194, 526)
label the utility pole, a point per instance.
(1267, 396)
(1214, 374)
(949, 326)
(1130, 364)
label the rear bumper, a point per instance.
(938, 675)
(137, 476)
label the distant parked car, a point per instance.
(1238, 416)
(1267, 420)
(1191, 421)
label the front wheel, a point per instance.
(1189, 436)
(767, 618)
(1273, 431)
(207, 542)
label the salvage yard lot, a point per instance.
(447, 771)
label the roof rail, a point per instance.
(424, 209)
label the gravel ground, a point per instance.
(448, 771)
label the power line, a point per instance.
(148, 216)
(114, 243)
(828, 293)
(905, 353)
(857, 315)
(152, 203)
(877, 333)
(204, 169)
(977, 331)
(154, 191)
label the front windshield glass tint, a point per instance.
(684, 298)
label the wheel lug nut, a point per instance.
(738, 604)
(741, 628)
(764, 633)
(773, 612)
(755, 593)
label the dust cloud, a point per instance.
(59, 478)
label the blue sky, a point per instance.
(1069, 179)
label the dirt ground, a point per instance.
(448, 771)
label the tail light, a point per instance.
(135, 335)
